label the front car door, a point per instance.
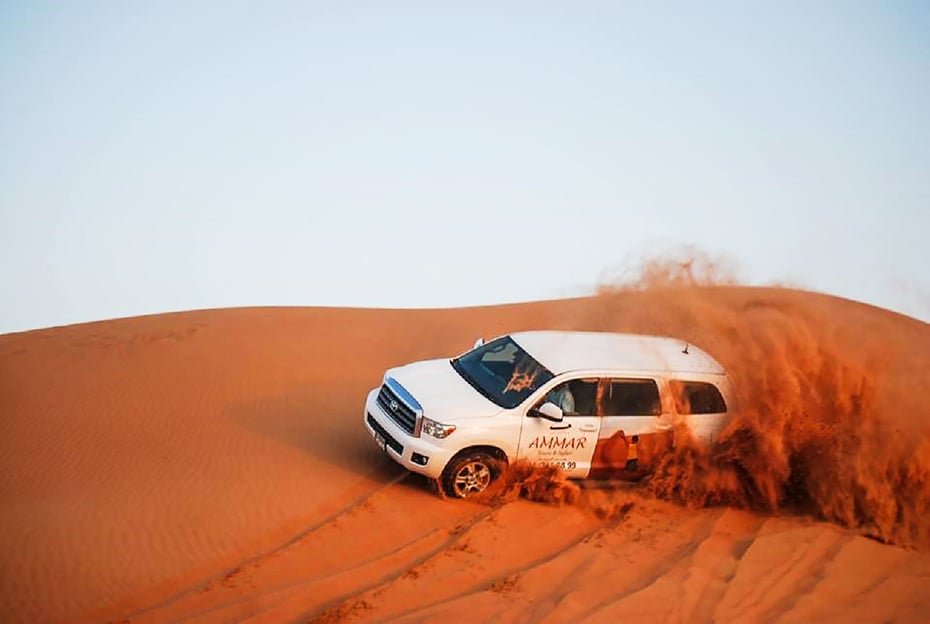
(568, 444)
(633, 426)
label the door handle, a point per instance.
(588, 428)
(663, 427)
(568, 426)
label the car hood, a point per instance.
(442, 392)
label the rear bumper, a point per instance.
(400, 445)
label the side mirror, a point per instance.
(478, 343)
(549, 412)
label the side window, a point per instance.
(632, 397)
(576, 398)
(697, 397)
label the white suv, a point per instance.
(598, 405)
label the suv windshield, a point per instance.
(502, 371)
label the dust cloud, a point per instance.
(535, 482)
(831, 409)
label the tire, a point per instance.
(469, 474)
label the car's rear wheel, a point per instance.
(469, 474)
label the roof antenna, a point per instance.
(685, 350)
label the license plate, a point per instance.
(379, 439)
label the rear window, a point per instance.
(697, 397)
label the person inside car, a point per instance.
(562, 397)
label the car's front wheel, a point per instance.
(469, 474)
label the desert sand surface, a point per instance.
(211, 466)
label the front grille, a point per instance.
(400, 412)
(394, 444)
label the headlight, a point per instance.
(436, 429)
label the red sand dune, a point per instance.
(211, 466)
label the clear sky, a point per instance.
(159, 156)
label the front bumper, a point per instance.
(400, 445)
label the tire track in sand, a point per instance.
(236, 570)
(491, 554)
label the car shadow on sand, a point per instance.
(325, 428)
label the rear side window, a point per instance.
(632, 397)
(697, 397)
